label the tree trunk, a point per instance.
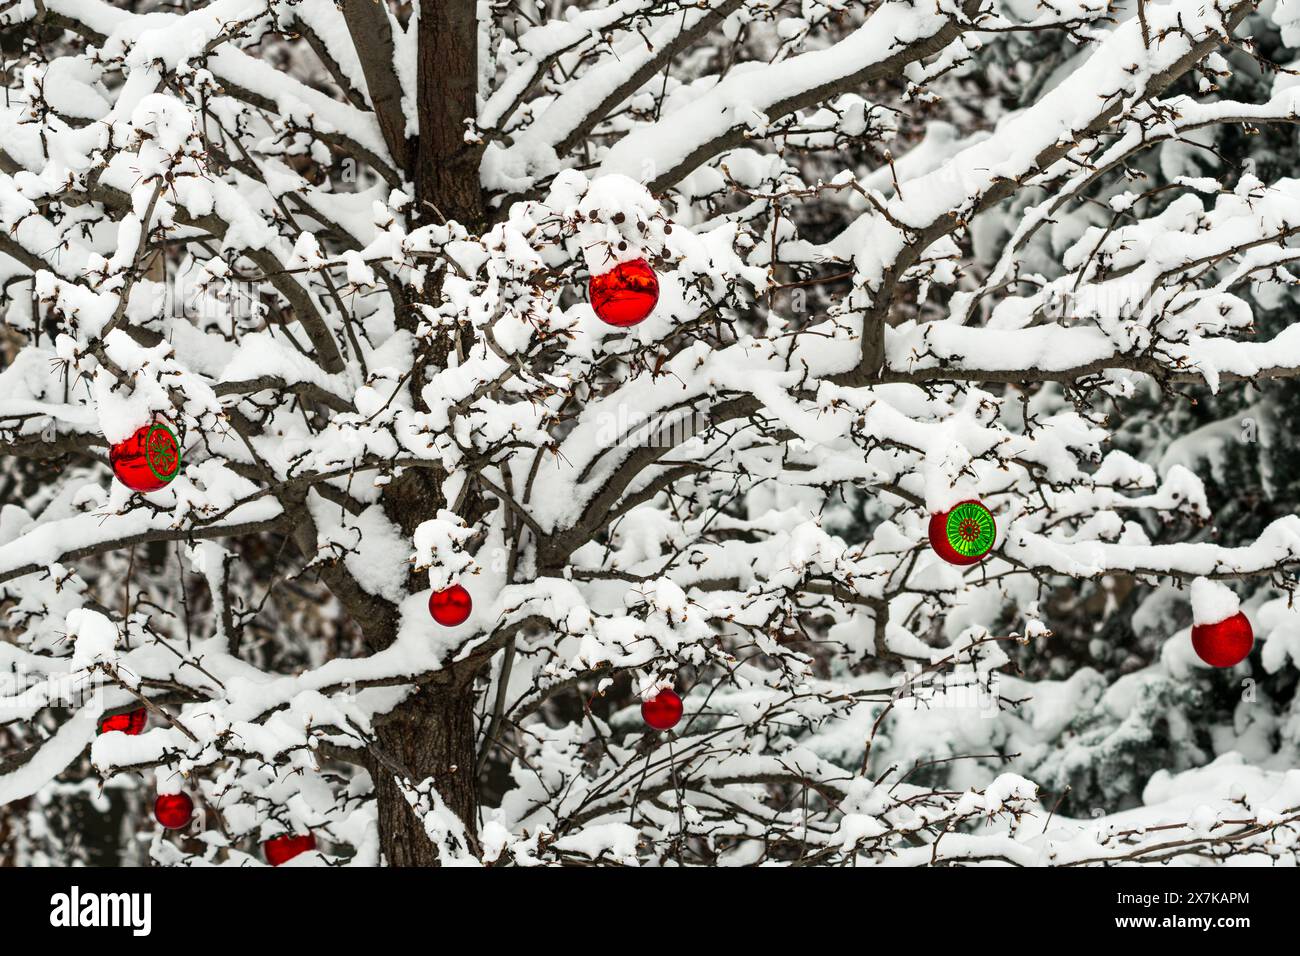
(446, 172)
(432, 736)
(432, 733)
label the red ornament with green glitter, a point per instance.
(147, 460)
(964, 533)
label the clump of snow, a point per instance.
(1212, 602)
(94, 638)
(439, 548)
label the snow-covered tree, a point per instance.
(909, 254)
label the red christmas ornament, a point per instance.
(130, 723)
(450, 606)
(173, 810)
(283, 848)
(147, 460)
(1226, 643)
(626, 294)
(662, 711)
(964, 533)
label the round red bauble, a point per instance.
(173, 810)
(131, 723)
(964, 533)
(626, 294)
(1226, 643)
(450, 606)
(283, 848)
(662, 711)
(147, 460)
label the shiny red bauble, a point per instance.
(663, 711)
(626, 294)
(450, 606)
(173, 810)
(283, 848)
(1226, 643)
(964, 533)
(130, 723)
(147, 460)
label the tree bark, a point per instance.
(432, 734)
(446, 173)
(372, 36)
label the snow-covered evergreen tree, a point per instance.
(909, 254)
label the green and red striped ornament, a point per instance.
(964, 533)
